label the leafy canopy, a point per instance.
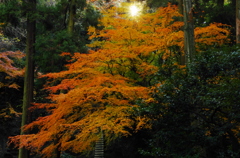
(100, 89)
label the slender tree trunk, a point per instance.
(237, 21)
(99, 148)
(29, 73)
(71, 19)
(189, 44)
(180, 9)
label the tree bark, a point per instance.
(189, 44)
(180, 9)
(29, 73)
(71, 19)
(237, 21)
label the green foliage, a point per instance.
(10, 11)
(51, 18)
(49, 47)
(53, 39)
(162, 3)
(90, 17)
(195, 113)
(208, 12)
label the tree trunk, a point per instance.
(189, 44)
(237, 21)
(29, 73)
(180, 9)
(72, 13)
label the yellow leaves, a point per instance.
(132, 39)
(146, 70)
(152, 32)
(2, 84)
(164, 16)
(8, 113)
(92, 31)
(143, 122)
(149, 100)
(9, 85)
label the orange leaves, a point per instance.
(151, 32)
(164, 16)
(14, 85)
(7, 67)
(137, 39)
(104, 101)
(8, 113)
(6, 63)
(214, 34)
(146, 70)
(92, 98)
(100, 89)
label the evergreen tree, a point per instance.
(207, 93)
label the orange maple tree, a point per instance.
(90, 99)
(100, 89)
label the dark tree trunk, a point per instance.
(180, 9)
(71, 19)
(29, 72)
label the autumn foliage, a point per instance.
(10, 71)
(7, 68)
(90, 99)
(99, 90)
(10, 75)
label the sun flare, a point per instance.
(134, 10)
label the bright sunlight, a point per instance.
(134, 10)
